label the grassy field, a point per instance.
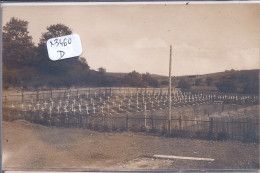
(29, 146)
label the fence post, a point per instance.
(22, 96)
(232, 129)
(110, 91)
(126, 122)
(222, 108)
(5, 98)
(180, 123)
(152, 122)
(211, 127)
(51, 93)
(64, 94)
(37, 95)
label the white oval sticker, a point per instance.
(67, 46)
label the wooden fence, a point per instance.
(219, 128)
(216, 128)
(21, 97)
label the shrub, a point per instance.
(122, 128)
(153, 130)
(114, 128)
(89, 126)
(106, 128)
(209, 136)
(222, 136)
(142, 128)
(164, 130)
(96, 127)
(134, 128)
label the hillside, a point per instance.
(229, 81)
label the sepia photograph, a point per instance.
(148, 86)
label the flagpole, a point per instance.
(170, 93)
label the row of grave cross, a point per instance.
(177, 95)
(157, 99)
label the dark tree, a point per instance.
(18, 47)
(148, 80)
(18, 54)
(208, 81)
(226, 86)
(183, 84)
(75, 71)
(101, 70)
(164, 82)
(133, 79)
(198, 82)
(46, 65)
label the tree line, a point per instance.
(26, 65)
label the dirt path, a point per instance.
(30, 146)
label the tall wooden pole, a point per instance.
(170, 94)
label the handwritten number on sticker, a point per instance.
(51, 43)
(56, 42)
(64, 47)
(63, 42)
(69, 41)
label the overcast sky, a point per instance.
(122, 38)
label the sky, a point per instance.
(205, 38)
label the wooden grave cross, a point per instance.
(67, 102)
(52, 103)
(87, 109)
(102, 108)
(29, 106)
(66, 112)
(94, 109)
(79, 105)
(74, 110)
(50, 111)
(58, 108)
(45, 103)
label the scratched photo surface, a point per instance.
(156, 87)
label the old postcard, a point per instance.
(130, 86)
